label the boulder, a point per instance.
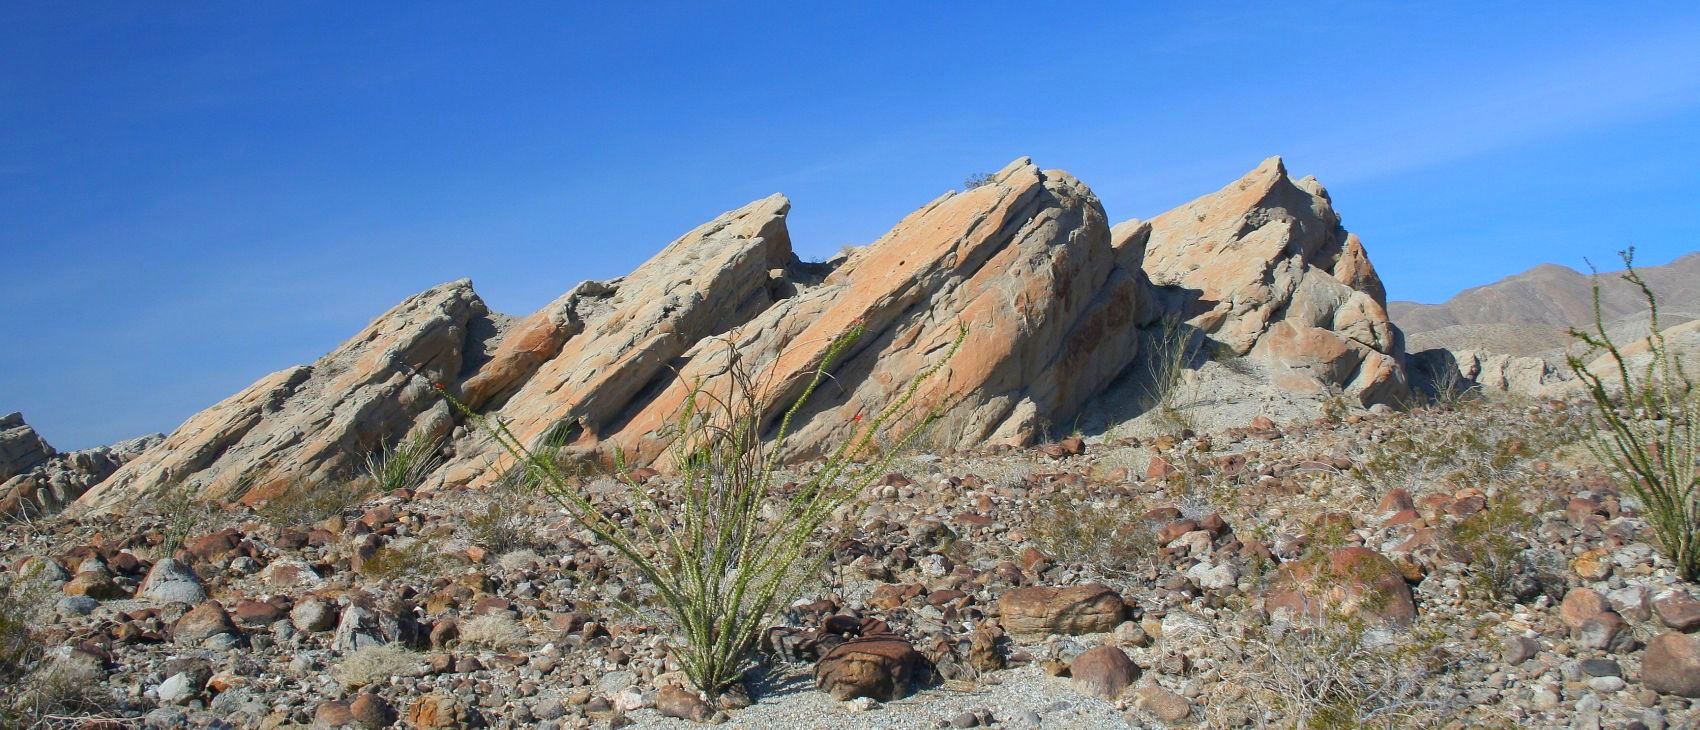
(884, 667)
(201, 623)
(1672, 664)
(1263, 267)
(1039, 611)
(437, 711)
(1104, 671)
(675, 701)
(170, 581)
(1678, 610)
(1352, 580)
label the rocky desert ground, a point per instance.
(1185, 474)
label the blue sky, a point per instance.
(193, 195)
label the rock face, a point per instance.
(61, 478)
(1491, 372)
(1263, 267)
(1054, 303)
(21, 448)
(1352, 580)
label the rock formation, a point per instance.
(36, 480)
(1263, 267)
(21, 448)
(1055, 304)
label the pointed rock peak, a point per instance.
(1016, 165)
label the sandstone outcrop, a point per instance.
(53, 479)
(1055, 305)
(1263, 267)
(21, 448)
(1490, 372)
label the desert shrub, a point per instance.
(1645, 427)
(59, 691)
(722, 545)
(374, 664)
(1494, 542)
(404, 558)
(494, 631)
(978, 179)
(1329, 671)
(404, 464)
(307, 505)
(23, 601)
(1108, 538)
(186, 513)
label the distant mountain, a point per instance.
(1531, 313)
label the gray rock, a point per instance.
(77, 605)
(176, 690)
(172, 582)
(312, 615)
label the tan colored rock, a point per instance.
(1025, 262)
(1490, 372)
(63, 477)
(311, 424)
(1039, 611)
(621, 336)
(1263, 267)
(437, 711)
(21, 448)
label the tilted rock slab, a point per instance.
(1263, 267)
(63, 477)
(1024, 262)
(313, 423)
(21, 448)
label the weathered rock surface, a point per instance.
(1263, 267)
(1490, 372)
(1672, 664)
(310, 424)
(883, 667)
(58, 478)
(1352, 580)
(21, 448)
(1040, 610)
(1104, 671)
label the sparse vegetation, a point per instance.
(306, 505)
(375, 664)
(1325, 672)
(1646, 431)
(729, 548)
(405, 464)
(1171, 351)
(494, 631)
(1108, 537)
(978, 179)
(1494, 542)
(404, 558)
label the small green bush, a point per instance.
(405, 464)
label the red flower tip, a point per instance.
(858, 418)
(438, 386)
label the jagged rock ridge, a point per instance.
(1054, 300)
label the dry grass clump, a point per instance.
(374, 664)
(494, 631)
(1106, 536)
(404, 558)
(405, 464)
(1324, 672)
(58, 691)
(306, 505)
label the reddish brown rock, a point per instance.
(1581, 604)
(1672, 664)
(1352, 580)
(202, 622)
(883, 667)
(675, 701)
(1039, 611)
(1678, 610)
(1104, 672)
